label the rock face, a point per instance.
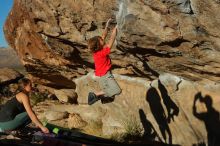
(175, 36)
(171, 110)
(52, 115)
(178, 37)
(75, 121)
(66, 95)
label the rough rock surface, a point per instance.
(176, 36)
(66, 95)
(8, 76)
(75, 121)
(169, 110)
(53, 115)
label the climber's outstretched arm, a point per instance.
(105, 33)
(112, 38)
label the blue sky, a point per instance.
(5, 7)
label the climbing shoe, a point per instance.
(92, 98)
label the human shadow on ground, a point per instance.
(154, 101)
(172, 108)
(149, 131)
(211, 118)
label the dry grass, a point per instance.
(37, 97)
(133, 132)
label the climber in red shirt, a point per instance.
(102, 61)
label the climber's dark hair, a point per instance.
(93, 44)
(22, 83)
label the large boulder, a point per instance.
(169, 109)
(176, 41)
(175, 36)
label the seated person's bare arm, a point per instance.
(26, 102)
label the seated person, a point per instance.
(17, 112)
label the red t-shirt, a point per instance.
(102, 61)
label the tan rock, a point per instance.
(154, 37)
(54, 115)
(44, 89)
(171, 36)
(66, 95)
(145, 105)
(141, 104)
(168, 102)
(75, 121)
